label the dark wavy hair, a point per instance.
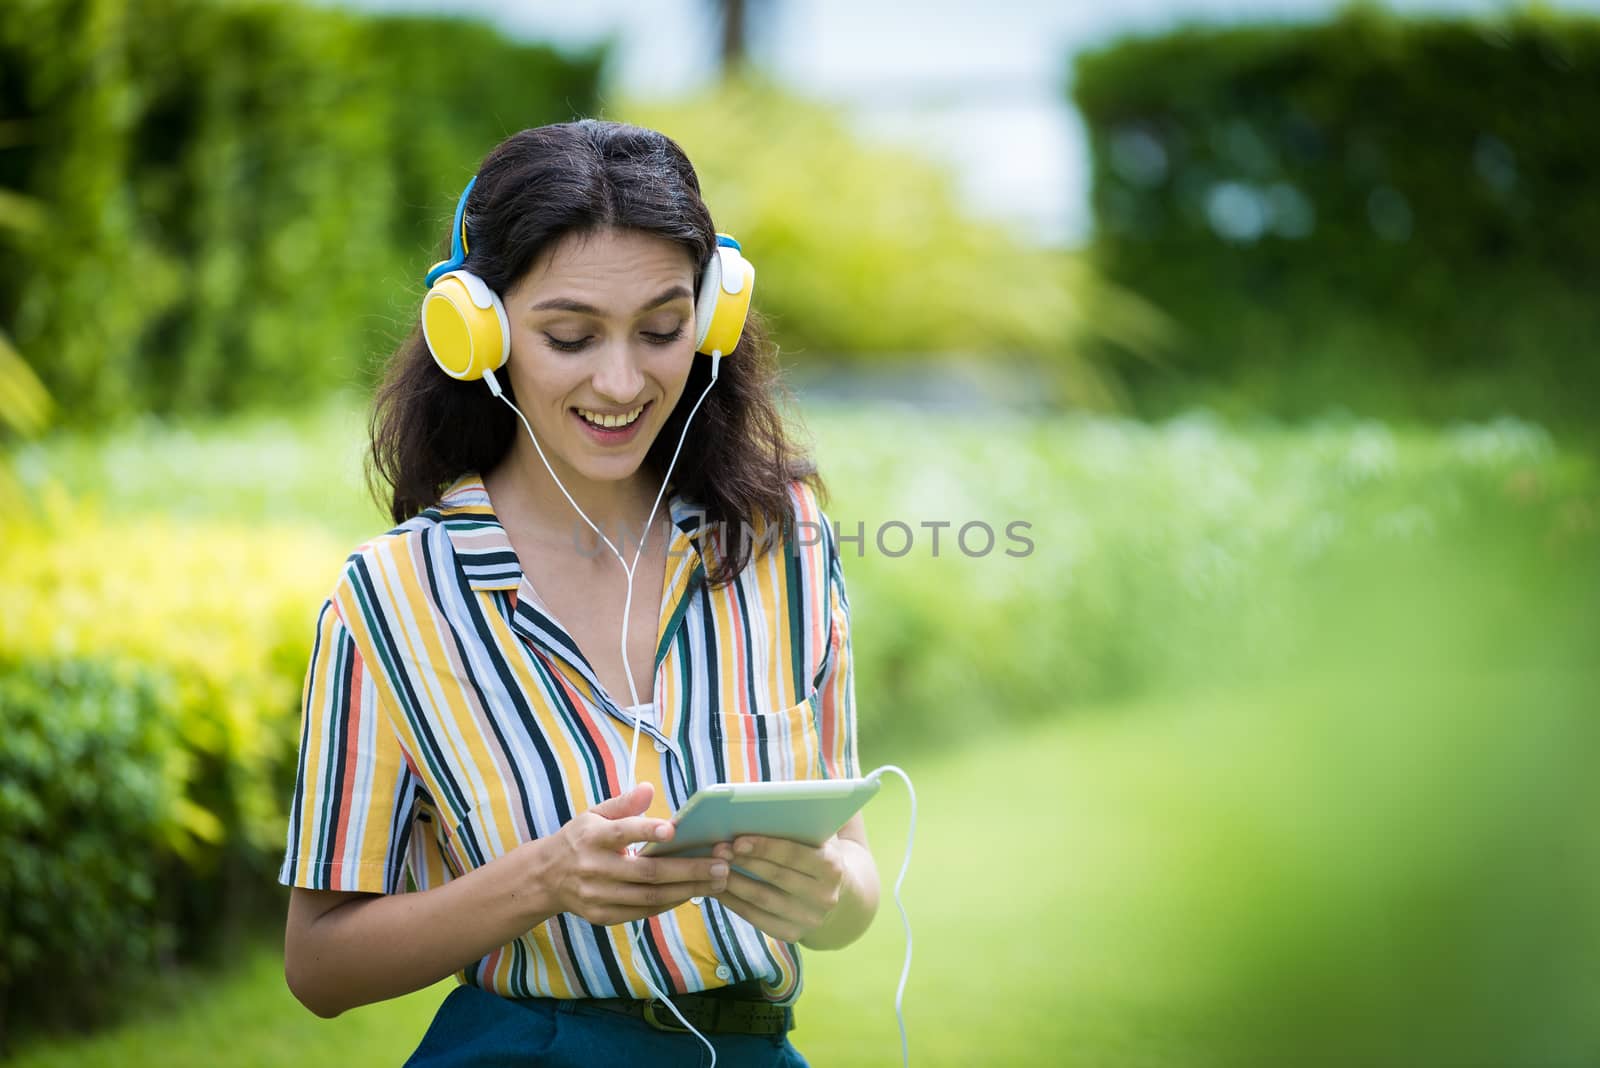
(533, 189)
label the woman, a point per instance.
(471, 698)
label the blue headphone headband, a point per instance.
(458, 238)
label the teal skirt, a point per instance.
(477, 1029)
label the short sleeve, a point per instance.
(354, 794)
(836, 698)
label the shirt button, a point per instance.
(724, 972)
(697, 901)
(661, 747)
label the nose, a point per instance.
(617, 378)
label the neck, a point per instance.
(523, 491)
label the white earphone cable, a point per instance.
(905, 866)
(634, 927)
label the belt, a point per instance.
(727, 1010)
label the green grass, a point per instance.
(242, 1017)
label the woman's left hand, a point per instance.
(797, 886)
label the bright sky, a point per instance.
(977, 85)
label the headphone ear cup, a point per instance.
(705, 305)
(724, 302)
(465, 326)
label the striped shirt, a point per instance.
(449, 717)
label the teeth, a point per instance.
(610, 420)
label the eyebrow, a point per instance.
(567, 304)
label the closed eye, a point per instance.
(567, 346)
(665, 339)
(574, 346)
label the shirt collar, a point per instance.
(484, 551)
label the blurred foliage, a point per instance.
(151, 678)
(25, 406)
(86, 792)
(865, 253)
(218, 608)
(1391, 215)
(1155, 548)
(239, 199)
(256, 468)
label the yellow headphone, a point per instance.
(466, 328)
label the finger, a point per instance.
(618, 833)
(775, 902)
(778, 927)
(659, 897)
(796, 856)
(632, 803)
(786, 879)
(626, 868)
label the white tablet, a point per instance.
(808, 811)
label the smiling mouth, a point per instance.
(605, 421)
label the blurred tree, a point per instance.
(869, 255)
(25, 405)
(734, 30)
(239, 194)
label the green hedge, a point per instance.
(150, 674)
(85, 801)
(240, 198)
(1394, 216)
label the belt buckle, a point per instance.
(659, 1024)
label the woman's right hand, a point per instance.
(589, 872)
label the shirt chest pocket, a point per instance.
(769, 746)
